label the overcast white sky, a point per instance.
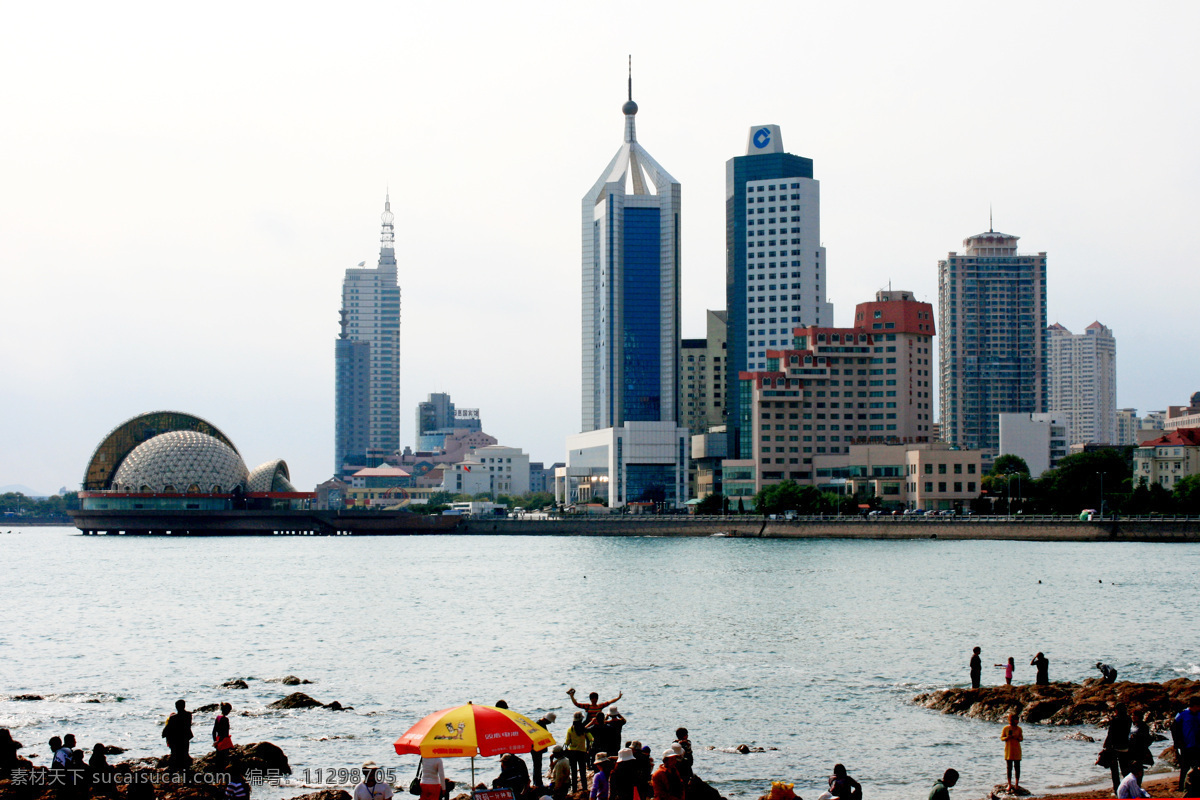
(182, 186)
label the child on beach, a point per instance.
(1012, 736)
(1008, 670)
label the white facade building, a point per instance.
(640, 462)
(494, 469)
(775, 263)
(1040, 439)
(1082, 375)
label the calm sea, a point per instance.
(810, 649)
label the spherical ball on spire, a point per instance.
(629, 109)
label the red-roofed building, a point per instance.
(1168, 459)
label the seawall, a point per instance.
(1039, 530)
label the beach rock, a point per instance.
(206, 709)
(113, 750)
(336, 706)
(1078, 736)
(289, 680)
(297, 700)
(262, 756)
(1001, 791)
(27, 697)
(1167, 756)
(1064, 703)
(331, 794)
(236, 683)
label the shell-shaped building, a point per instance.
(168, 459)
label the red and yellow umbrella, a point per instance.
(472, 730)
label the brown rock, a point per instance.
(206, 709)
(1167, 756)
(27, 697)
(1064, 703)
(236, 683)
(262, 756)
(297, 700)
(1078, 737)
(291, 680)
(333, 794)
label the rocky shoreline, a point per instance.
(1088, 703)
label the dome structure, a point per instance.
(272, 476)
(182, 462)
(122, 440)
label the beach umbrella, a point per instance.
(473, 730)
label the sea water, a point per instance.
(809, 649)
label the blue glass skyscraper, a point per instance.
(631, 290)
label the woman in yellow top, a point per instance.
(578, 741)
(1012, 736)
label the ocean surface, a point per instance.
(810, 649)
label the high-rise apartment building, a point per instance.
(631, 289)
(1082, 375)
(774, 261)
(992, 321)
(901, 363)
(702, 364)
(367, 361)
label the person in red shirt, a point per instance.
(594, 708)
(666, 781)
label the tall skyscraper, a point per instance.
(631, 289)
(702, 364)
(630, 448)
(992, 353)
(774, 261)
(1083, 382)
(367, 361)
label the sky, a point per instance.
(182, 187)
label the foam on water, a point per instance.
(812, 647)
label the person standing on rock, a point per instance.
(941, 789)
(178, 733)
(666, 780)
(1008, 670)
(681, 739)
(1116, 742)
(593, 708)
(536, 755)
(976, 668)
(1107, 673)
(578, 740)
(1185, 730)
(1012, 736)
(1043, 669)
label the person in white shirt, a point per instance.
(1131, 786)
(433, 779)
(371, 787)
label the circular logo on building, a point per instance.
(762, 138)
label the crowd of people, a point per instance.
(595, 762)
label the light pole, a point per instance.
(1101, 495)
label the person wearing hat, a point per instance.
(623, 781)
(645, 768)
(666, 781)
(371, 787)
(602, 766)
(560, 773)
(606, 731)
(579, 740)
(536, 755)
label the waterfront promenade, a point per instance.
(1032, 528)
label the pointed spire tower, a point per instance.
(630, 352)
(367, 360)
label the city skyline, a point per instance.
(198, 197)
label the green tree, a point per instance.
(1084, 480)
(1009, 463)
(741, 506)
(711, 504)
(1187, 495)
(788, 496)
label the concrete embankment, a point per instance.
(1040, 530)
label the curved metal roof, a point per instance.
(117, 445)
